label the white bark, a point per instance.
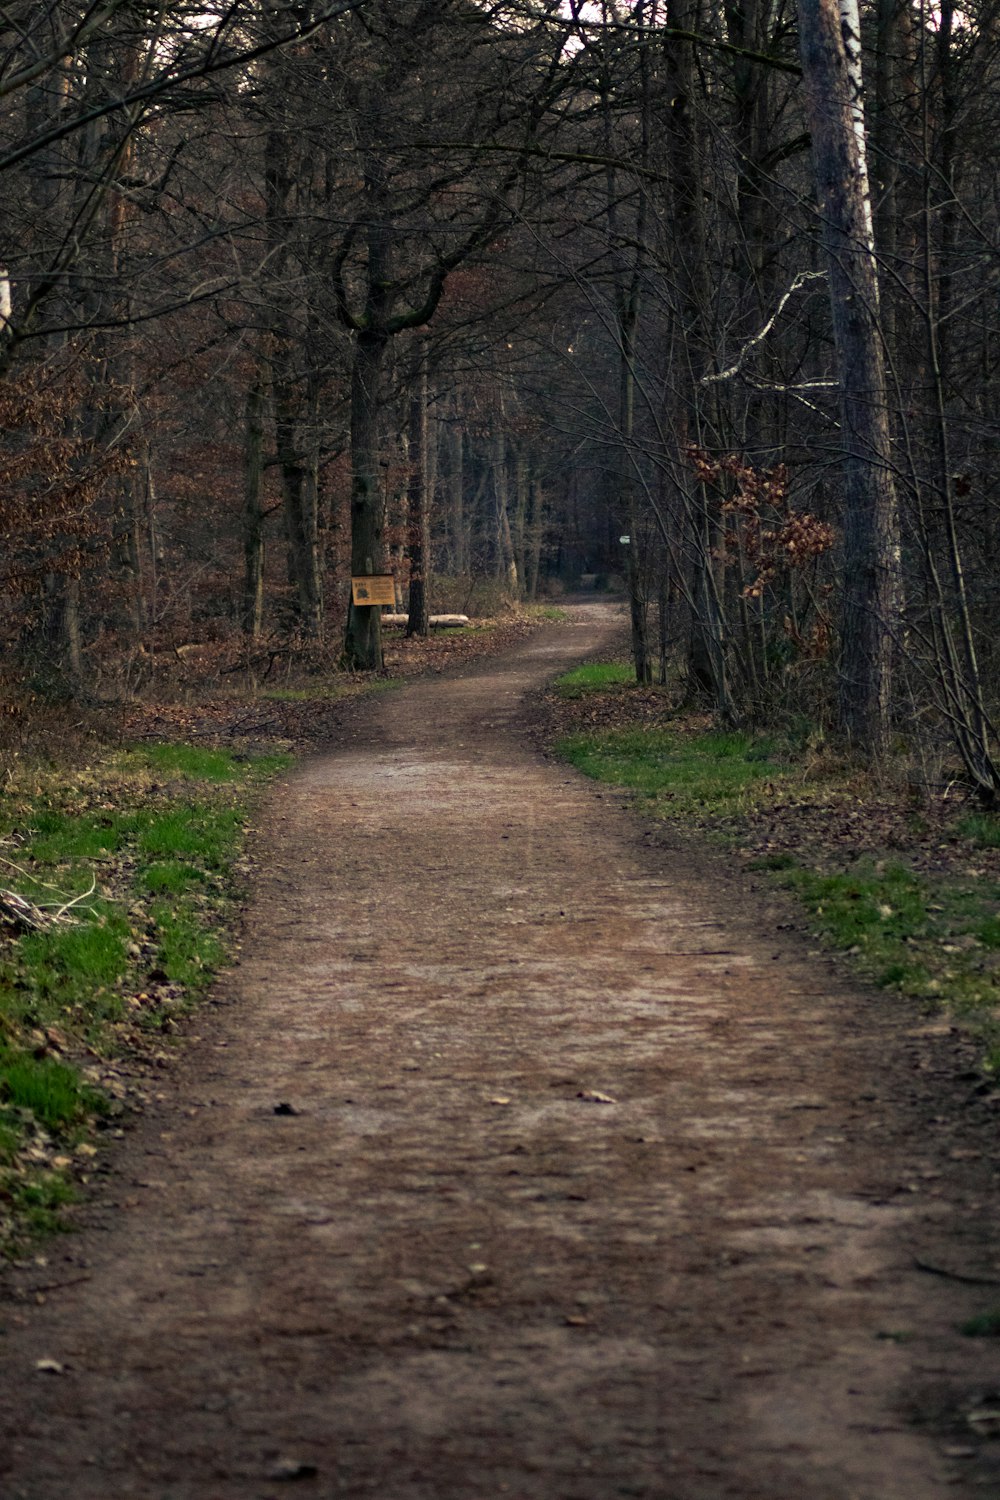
(850, 25)
(801, 278)
(871, 534)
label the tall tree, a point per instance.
(419, 63)
(829, 40)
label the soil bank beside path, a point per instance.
(587, 1182)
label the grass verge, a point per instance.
(688, 772)
(934, 937)
(592, 676)
(913, 898)
(129, 871)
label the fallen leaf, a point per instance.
(594, 1096)
(50, 1367)
(292, 1468)
(986, 1420)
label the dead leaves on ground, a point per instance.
(259, 717)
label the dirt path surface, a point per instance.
(588, 1182)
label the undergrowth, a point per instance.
(920, 915)
(129, 868)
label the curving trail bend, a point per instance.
(596, 1184)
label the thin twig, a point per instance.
(20, 870)
(82, 897)
(933, 1270)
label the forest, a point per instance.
(431, 1119)
(691, 298)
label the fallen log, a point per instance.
(436, 622)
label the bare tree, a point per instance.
(870, 611)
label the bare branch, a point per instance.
(801, 278)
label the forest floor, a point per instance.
(522, 1155)
(305, 705)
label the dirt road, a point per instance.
(587, 1181)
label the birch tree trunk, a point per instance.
(871, 545)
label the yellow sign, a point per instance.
(378, 588)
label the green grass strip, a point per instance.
(679, 772)
(134, 859)
(935, 937)
(594, 676)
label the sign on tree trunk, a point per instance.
(377, 588)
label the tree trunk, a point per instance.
(299, 483)
(253, 525)
(310, 576)
(125, 550)
(506, 563)
(638, 615)
(887, 143)
(871, 546)
(433, 444)
(456, 492)
(707, 655)
(519, 529)
(363, 638)
(62, 631)
(536, 530)
(627, 286)
(418, 510)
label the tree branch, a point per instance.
(800, 280)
